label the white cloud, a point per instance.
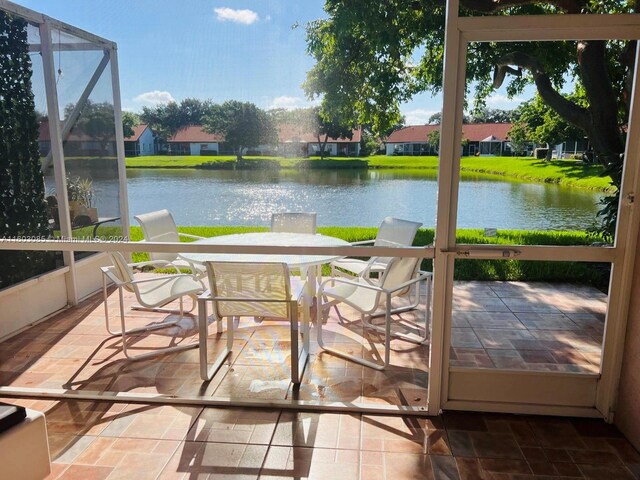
(288, 103)
(502, 101)
(417, 116)
(154, 98)
(244, 16)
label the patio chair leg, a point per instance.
(206, 372)
(409, 338)
(165, 310)
(338, 353)
(124, 332)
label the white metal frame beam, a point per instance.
(86, 41)
(70, 121)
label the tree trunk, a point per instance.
(322, 145)
(549, 152)
(599, 120)
(239, 153)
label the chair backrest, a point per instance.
(122, 271)
(394, 232)
(257, 289)
(399, 270)
(159, 227)
(294, 222)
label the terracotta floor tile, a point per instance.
(605, 472)
(84, 472)
(495, 445)
(503, 465)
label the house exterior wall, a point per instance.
(146, 143)
(410, 148)
(627, 413)
(203, 148)
(330, 149)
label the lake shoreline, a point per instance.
(569, 173)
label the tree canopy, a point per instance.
(544, 125)
(166, 119)
(129, 120)
(371, 55)
(243, 125)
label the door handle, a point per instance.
(485, 253)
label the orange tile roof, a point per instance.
(474, 132)
(195, 134)
(137, 131)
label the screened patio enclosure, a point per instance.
(75, 92)
(80, 78)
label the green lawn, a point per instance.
(516, 270)
(564, 172)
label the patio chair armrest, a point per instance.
(188, 235)
(349, 282)
(146, 280)
(417, 279)
(206, 295)
(362, 242)
(161, 263)
(111, 276)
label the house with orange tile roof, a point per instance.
(193, 140)
(485, 139)
(293, 141)
(143, 142)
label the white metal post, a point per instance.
(448, 174)
(122, 170)
(622, 272)
(57, 153)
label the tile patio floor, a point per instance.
(95, 441)
(532, 326)
(495, 324)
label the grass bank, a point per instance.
(564, 172)
(514, 270)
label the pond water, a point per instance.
(351, 197)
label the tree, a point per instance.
(243, 125)
(545, 125)
(518, 137)
(97, 120)
(365, 52)
(22, 194)
(491, 115)
(129, 120)
(326, 126)
(165, 120)
(434, 139)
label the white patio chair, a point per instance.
(367, 296)
(160, 226)
(392, 232)
(294, 222)
(152, 293)
(240, 289)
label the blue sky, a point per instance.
(219, 49)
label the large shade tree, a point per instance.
(242, 124)
(373, 54)
(166, 119)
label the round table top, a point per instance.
(281, 239)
